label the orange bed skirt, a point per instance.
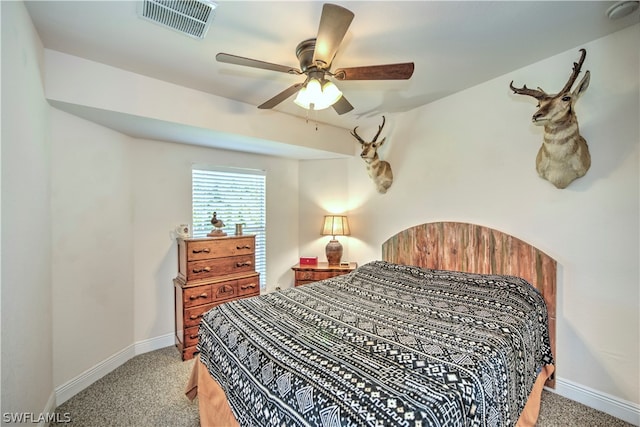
(216, 412)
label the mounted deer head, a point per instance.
(379, 170)
(564, 154)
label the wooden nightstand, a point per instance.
(312, 273)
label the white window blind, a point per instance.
(238, 196)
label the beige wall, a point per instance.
(27, 367)
(471, 157)
(324, 189)
(92, 229)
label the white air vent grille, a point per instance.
(190, 17)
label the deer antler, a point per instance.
(354, 133)
(537, 94)
(576, 70)
(375, 138)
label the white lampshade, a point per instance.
(302, 99)
(335, 225)
(330, 92)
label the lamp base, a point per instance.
(334, 252)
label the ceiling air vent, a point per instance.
(190, 17)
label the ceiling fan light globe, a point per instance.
(314, 89)
(330, 93)
(302, 99)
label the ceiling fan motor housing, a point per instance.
(304, 53)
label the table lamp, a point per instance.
(335, 225)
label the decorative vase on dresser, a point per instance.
(211, 271)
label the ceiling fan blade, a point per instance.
(280, 97)
(248, 62)
(334, 23)
(401, 71)
(342, 106)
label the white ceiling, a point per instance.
(454, 45)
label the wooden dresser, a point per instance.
(313, 273)
(211, 271)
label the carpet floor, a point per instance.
(148, 391)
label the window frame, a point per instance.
(230, 212)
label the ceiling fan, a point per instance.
(315, 57)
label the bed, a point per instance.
(453, 327)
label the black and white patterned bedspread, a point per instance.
(386, 345)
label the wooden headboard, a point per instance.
(476, 249)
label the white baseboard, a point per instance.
(156, 343)
(91, 375)
(49, 408)
(619, 408)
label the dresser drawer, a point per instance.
(216, 267)
(214, 248)
(191, 336)
(304, 275)
(249, 286)
(196, 296)
(225, 290)
(193, 315)
(315, 275)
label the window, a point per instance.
(238, 196)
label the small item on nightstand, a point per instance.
(308, 260)
(184, 231)
(217, 224)
(344, 264)
(239, 228)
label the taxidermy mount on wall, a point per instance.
(379, 170)
(564, 154)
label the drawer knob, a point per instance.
(202, 295)
(202, 270)
(194, 317)
(243, 264)
(243, 247)
(199, 251)
(250, 285)
(192, 336)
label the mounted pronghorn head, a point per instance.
(564, 155)
(557, 108)
(379, 170)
